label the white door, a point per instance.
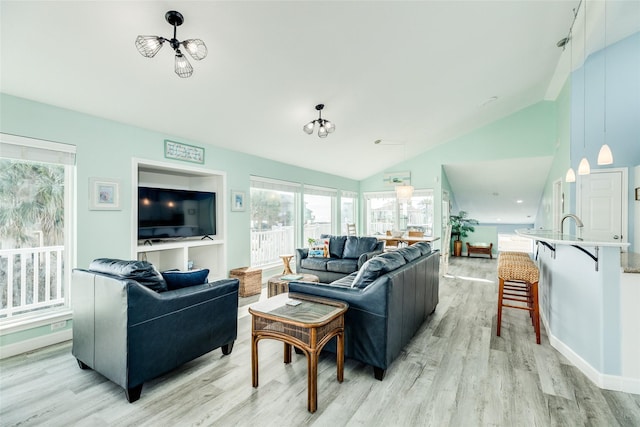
(602, 205)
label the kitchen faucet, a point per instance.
(577, 220)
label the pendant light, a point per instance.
(404, 192)
(583, 167)
(570, 176)
(605, 156)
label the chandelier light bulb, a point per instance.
(308, 128)
(148, 46)
(196, 48)
(183, 68)
(329, 126)
(570, 176)
(605, 156)
(322, 132)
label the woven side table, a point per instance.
(250, 280)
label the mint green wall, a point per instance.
(530, 132)
(105, 149)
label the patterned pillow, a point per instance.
(319, 248)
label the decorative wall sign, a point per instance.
(397, 178)
(237, 201)
(104, 194)
(180, 151)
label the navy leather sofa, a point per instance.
(389, 298)
(347, 255)
(128, 327)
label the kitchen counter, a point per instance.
(564, 239)
(589, 305)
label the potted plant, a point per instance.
(460, 227)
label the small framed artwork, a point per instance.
(104, 194)
(637, 193)
(396, 178)
(237, 201)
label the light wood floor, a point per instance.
(455, 372)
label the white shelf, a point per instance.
(180, 254)
(161, 246)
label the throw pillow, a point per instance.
(184, 279)
(319, 248)
(376, 267)
(142, 272)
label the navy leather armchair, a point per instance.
(128, 329)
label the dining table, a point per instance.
(409, 240)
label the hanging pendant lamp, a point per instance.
(605, 156)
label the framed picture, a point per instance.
(237, 201)
(396, 178)
(180, 151)
(104, 194)
(637, 193)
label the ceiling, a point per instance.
(417, 72)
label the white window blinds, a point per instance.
(36, 150)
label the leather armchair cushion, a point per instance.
(142, 272)
(336, 245)
(356, 246)
(184, 279)
(410, 253)
(376, 267)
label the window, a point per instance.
(348, 210)
(273, 219)
(319, 208)
(384, 212)
(36, 223)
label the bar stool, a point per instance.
(518, 281)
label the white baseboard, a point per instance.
(607, 382)
(35, 343)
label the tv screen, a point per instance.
(165, 213)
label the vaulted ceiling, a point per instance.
(418, 72)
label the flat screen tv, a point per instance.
(172, 214)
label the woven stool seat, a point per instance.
(518, 283)
(518, 271)
(513, 256)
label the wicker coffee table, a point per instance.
(277, 285)
(307, 326)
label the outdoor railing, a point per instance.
(30, 279)
(267, 246)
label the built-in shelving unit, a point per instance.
(181, 254)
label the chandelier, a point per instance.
(325, 127)
(148, 46)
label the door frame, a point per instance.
(624, 201)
